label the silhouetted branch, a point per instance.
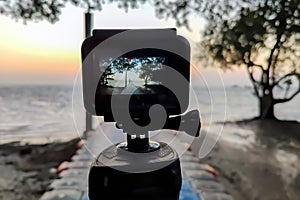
(254, 82)
(283, 100)
(293, 73)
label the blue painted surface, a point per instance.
(188, 196)
(85, 196)
(186, 192)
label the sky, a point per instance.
(45, 53)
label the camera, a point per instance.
(140, 79)
(139, 73)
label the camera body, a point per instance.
(135, 64)
(132, 71)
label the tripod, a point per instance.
(139, 168)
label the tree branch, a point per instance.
(271, 58)
(294, 94)
(293, 73)
(287, 99)
(253, 81)
(276, 46)
(273, 66)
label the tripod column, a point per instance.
(138, 143)
(89, 21)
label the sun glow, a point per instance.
(50, 53)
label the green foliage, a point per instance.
(242, 35)
(149, 68)
(106, 76)
(263, 36)
(37, 10)
(122, 64)
(146, 68)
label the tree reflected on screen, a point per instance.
(130, 75)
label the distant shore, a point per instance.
(259, 159)
(25, 169)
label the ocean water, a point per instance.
(238, 103)
(35, 111)
(46, 111)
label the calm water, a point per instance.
(35, 111)
(46, 111)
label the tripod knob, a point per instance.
(189, 123)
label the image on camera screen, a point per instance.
(131, 76)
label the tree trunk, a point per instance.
(126, 79)
(146, 80)
(266, 107)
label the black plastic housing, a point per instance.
(176, 51)
(108, 181)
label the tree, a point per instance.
(264, 37)
(106, 76)
(123, 65)
(261, 35)
(49, 10)
(149, 67)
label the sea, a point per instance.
(35, 112)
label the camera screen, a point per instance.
(138, 76)
(120, 70)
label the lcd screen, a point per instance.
(120, 75)
(131, 76)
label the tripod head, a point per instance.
(140, 80)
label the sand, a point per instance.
(259, 159)
(26, 170)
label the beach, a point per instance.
(259, 159)
(28, 169)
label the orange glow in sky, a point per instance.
(44, 53)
